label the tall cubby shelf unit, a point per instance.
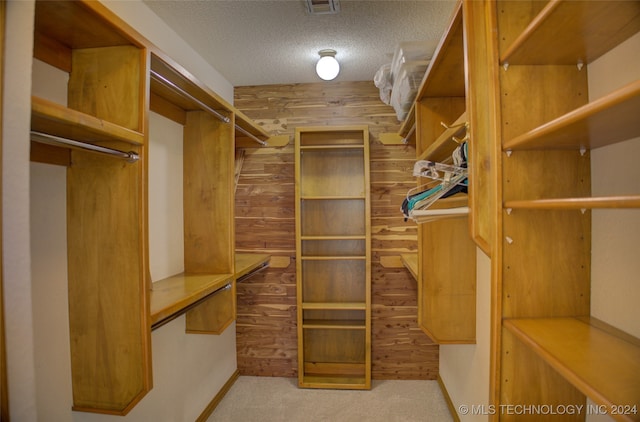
(547, 348)
(333, 253)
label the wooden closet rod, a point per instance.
(130, 157)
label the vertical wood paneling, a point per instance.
(265, 222)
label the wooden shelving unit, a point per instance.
(446, 253)
(115, 77)
(548, 129)
(108, 297)
(208, 153)
(333, 256)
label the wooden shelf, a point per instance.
(330, 197)
(248, 264)
(54, 119)
(631, 201)
(330, 147)
(362, 237)
(580, 31)
(339, 382)
(445, 74)
(602, 362)
(331, 135)
(335, 305)
(443, 146)
(334, 258)
(334, 324)
(73, 24)
(410, 260)
(602, 122)
(173, 296)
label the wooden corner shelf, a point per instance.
(174, 295)
(600, 361)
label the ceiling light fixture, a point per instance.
(327, 67)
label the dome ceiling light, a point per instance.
(327, 67)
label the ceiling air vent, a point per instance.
(322, 7)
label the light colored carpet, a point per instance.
(269, 399)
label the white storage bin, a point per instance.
(410, 51)
(406, 85)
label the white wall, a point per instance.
(615, 291)
(188, 370)
(147, 23)
(15, 209)
(464, 368)
(615, 170)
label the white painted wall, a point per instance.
(464, 368)
(188, 370)
(615, 170)
(147, 23)
(15, 211)
(615, 263)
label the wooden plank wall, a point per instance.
(265, 222)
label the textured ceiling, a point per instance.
(277, 42)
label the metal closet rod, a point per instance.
(130, 157)
(252, 136)
(166, 81)
(405, 140)
(205, 107)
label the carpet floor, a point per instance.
(270, 399)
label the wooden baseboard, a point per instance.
(218, 397)
(452, 408)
